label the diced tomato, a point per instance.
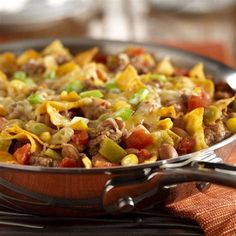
(139, 138)
(186, 145)
(205, 96)
(135, 51)
(68, 162)
(22, 154)
(144, 155)
(195, 101)
(80, 137)
(181, 71)
(100, 58)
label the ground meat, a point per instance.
(33, 67)
(36, 160)
(89, 84)
(117, 62)
(141, 64)
(94, 144)
(179, 107)
(150, 104)
(20, 110)
(222, 95)
(223, 90)
(112, 128)
(61, 59)
(96, 109)
(215, 133)
(44, 118)
(179, 123)
(3, 88)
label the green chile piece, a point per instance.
(111, 150)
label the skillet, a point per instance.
(96, 191)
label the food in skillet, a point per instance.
(94, 110)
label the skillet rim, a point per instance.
(85, 41)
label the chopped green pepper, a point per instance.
(158, 77)
(139, 96)
(53, 154)
(36, 127)
(92, 93)
(74, 86)
(50, 75)
(211, 114)
(29, 82)
(35, 99)
(111, 150)
(111, 85)
(124, 113)
(19, 75)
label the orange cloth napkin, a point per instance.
(214, 210)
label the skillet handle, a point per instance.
(217, 173)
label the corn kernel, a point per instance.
(70, 97)
(45, 136)
(129, 160)
(87, 162)
(231, 124)
(120, 104)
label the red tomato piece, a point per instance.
(136, 51)
(139, 138)
(100, 58)
(80, 137)
(186, 145)
(205, 96)
(144, 155)
(22, 154)
(195, 101)
(68, 162)
(181, 72)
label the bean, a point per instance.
(178, 106)
(132, 150)
(182, 133)
(68, 150)
(167, 151)
(232, 115)
(179, 123)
